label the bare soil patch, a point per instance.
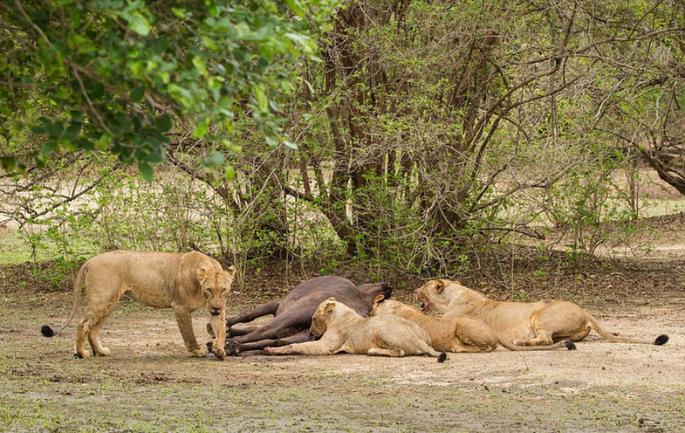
(151, 385)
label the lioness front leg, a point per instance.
(218, 324)
(185, 325)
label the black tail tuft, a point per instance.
(48, 332)
(442, 357)
(661, 340)
(570, 345)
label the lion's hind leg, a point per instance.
(95, 342)
(541, 337)
(385, 343)
(558, 321)
(580, 335)
(377, 351)
(539, 334)
(460, 347)
(101, 294)
(82, 331)
(96, 316)
(469, 340)
(94, 335)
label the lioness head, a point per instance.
(438, 294)
(323, 315)
(430, 295)
(448, 294)
(215, 285)
(387, 306)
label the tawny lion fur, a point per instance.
(184, 282)
(454, 334)
(343, 330)
(523, 323)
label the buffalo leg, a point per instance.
(300, 337)
(294, 318)
(237, 332)
(262, 310)
(232, 332)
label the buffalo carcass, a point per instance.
(293, 313)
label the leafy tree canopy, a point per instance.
(117, 76)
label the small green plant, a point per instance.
(540, 273)
(57, 274)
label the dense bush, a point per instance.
(425, 131)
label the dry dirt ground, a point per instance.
(150, 385)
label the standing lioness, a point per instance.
(184, 282)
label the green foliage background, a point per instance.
(397, 134)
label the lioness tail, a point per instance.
(428, 350)
(568, 344)
(611, 338)
(46, 330)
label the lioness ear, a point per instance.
(201, 273)
(439, 286)
(330, 306)
(231, 271)
(378, 299)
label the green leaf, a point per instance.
(271, 141)
(200, 66)
(179, 12)
(229, 173)
(302, 40)
(137, 93)
(8, 163)
(137, 22)
(201, 130)
(290, 144)
(295, 7)
(146, 171)
(260, 97)
(163, 123)
(182, 95)
(48, 147)
(209, 43)
(103, 142)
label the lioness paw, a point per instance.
(218, 351)
(103, 351)
(199, 352)
(82, 355)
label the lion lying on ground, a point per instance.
(455, 334)
(184, 282)
(523, 323)
(343, 330)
